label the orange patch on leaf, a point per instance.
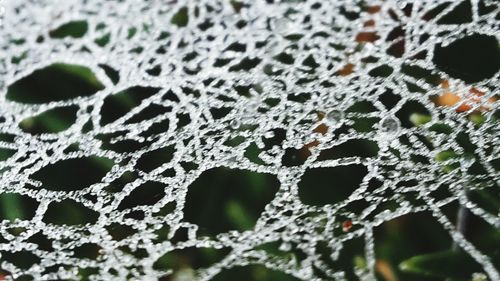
(305, 150)
(385, 269)
(346, 70)
(451, 99)
(322, 129)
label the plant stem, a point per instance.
(462, 222)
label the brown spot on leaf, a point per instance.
(346, 70)
(367, 37)
(369, 23)
(373, 9)
(346, 225)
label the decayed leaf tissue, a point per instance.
(249, 140)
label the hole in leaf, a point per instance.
(488, 198)
(42, 241)
(421, 73)
(285, 58)
(397, 49)
(69, 212)
(462, 13)
(408, 110)
(136, 215)
(181, 18)
(364, 124)
(111, 73)
(118, 184)
(253, 273)
(218, 113)
(362, 107)
(103, 40)
(237, 47)
(157, 128)
(481, 62)
(166, 209)
(39, 87)
(381, 71)
(181, 235)
(295, 157)
(245, 64)
(120, 231)
(155, 158)
(435, 11)
(351, 250)
(350, 148)
(117, 105)
(22, 259)
(149, 112)
(154, 71)
(73, 174)
(88, 250)
(190, 257)
(75, 29)
(321, 186)
(147, 194)
(15, 206)
(120, 146)
(389, 99)
(237, 5)
(6, 153)
(252, 153)
(223, 199)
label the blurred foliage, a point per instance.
(454, 265)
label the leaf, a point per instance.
(420, 119)
(446, 264)
(477, 119)
(445, 155)
(238, 215)
(51, 121)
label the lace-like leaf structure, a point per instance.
(118, 119)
